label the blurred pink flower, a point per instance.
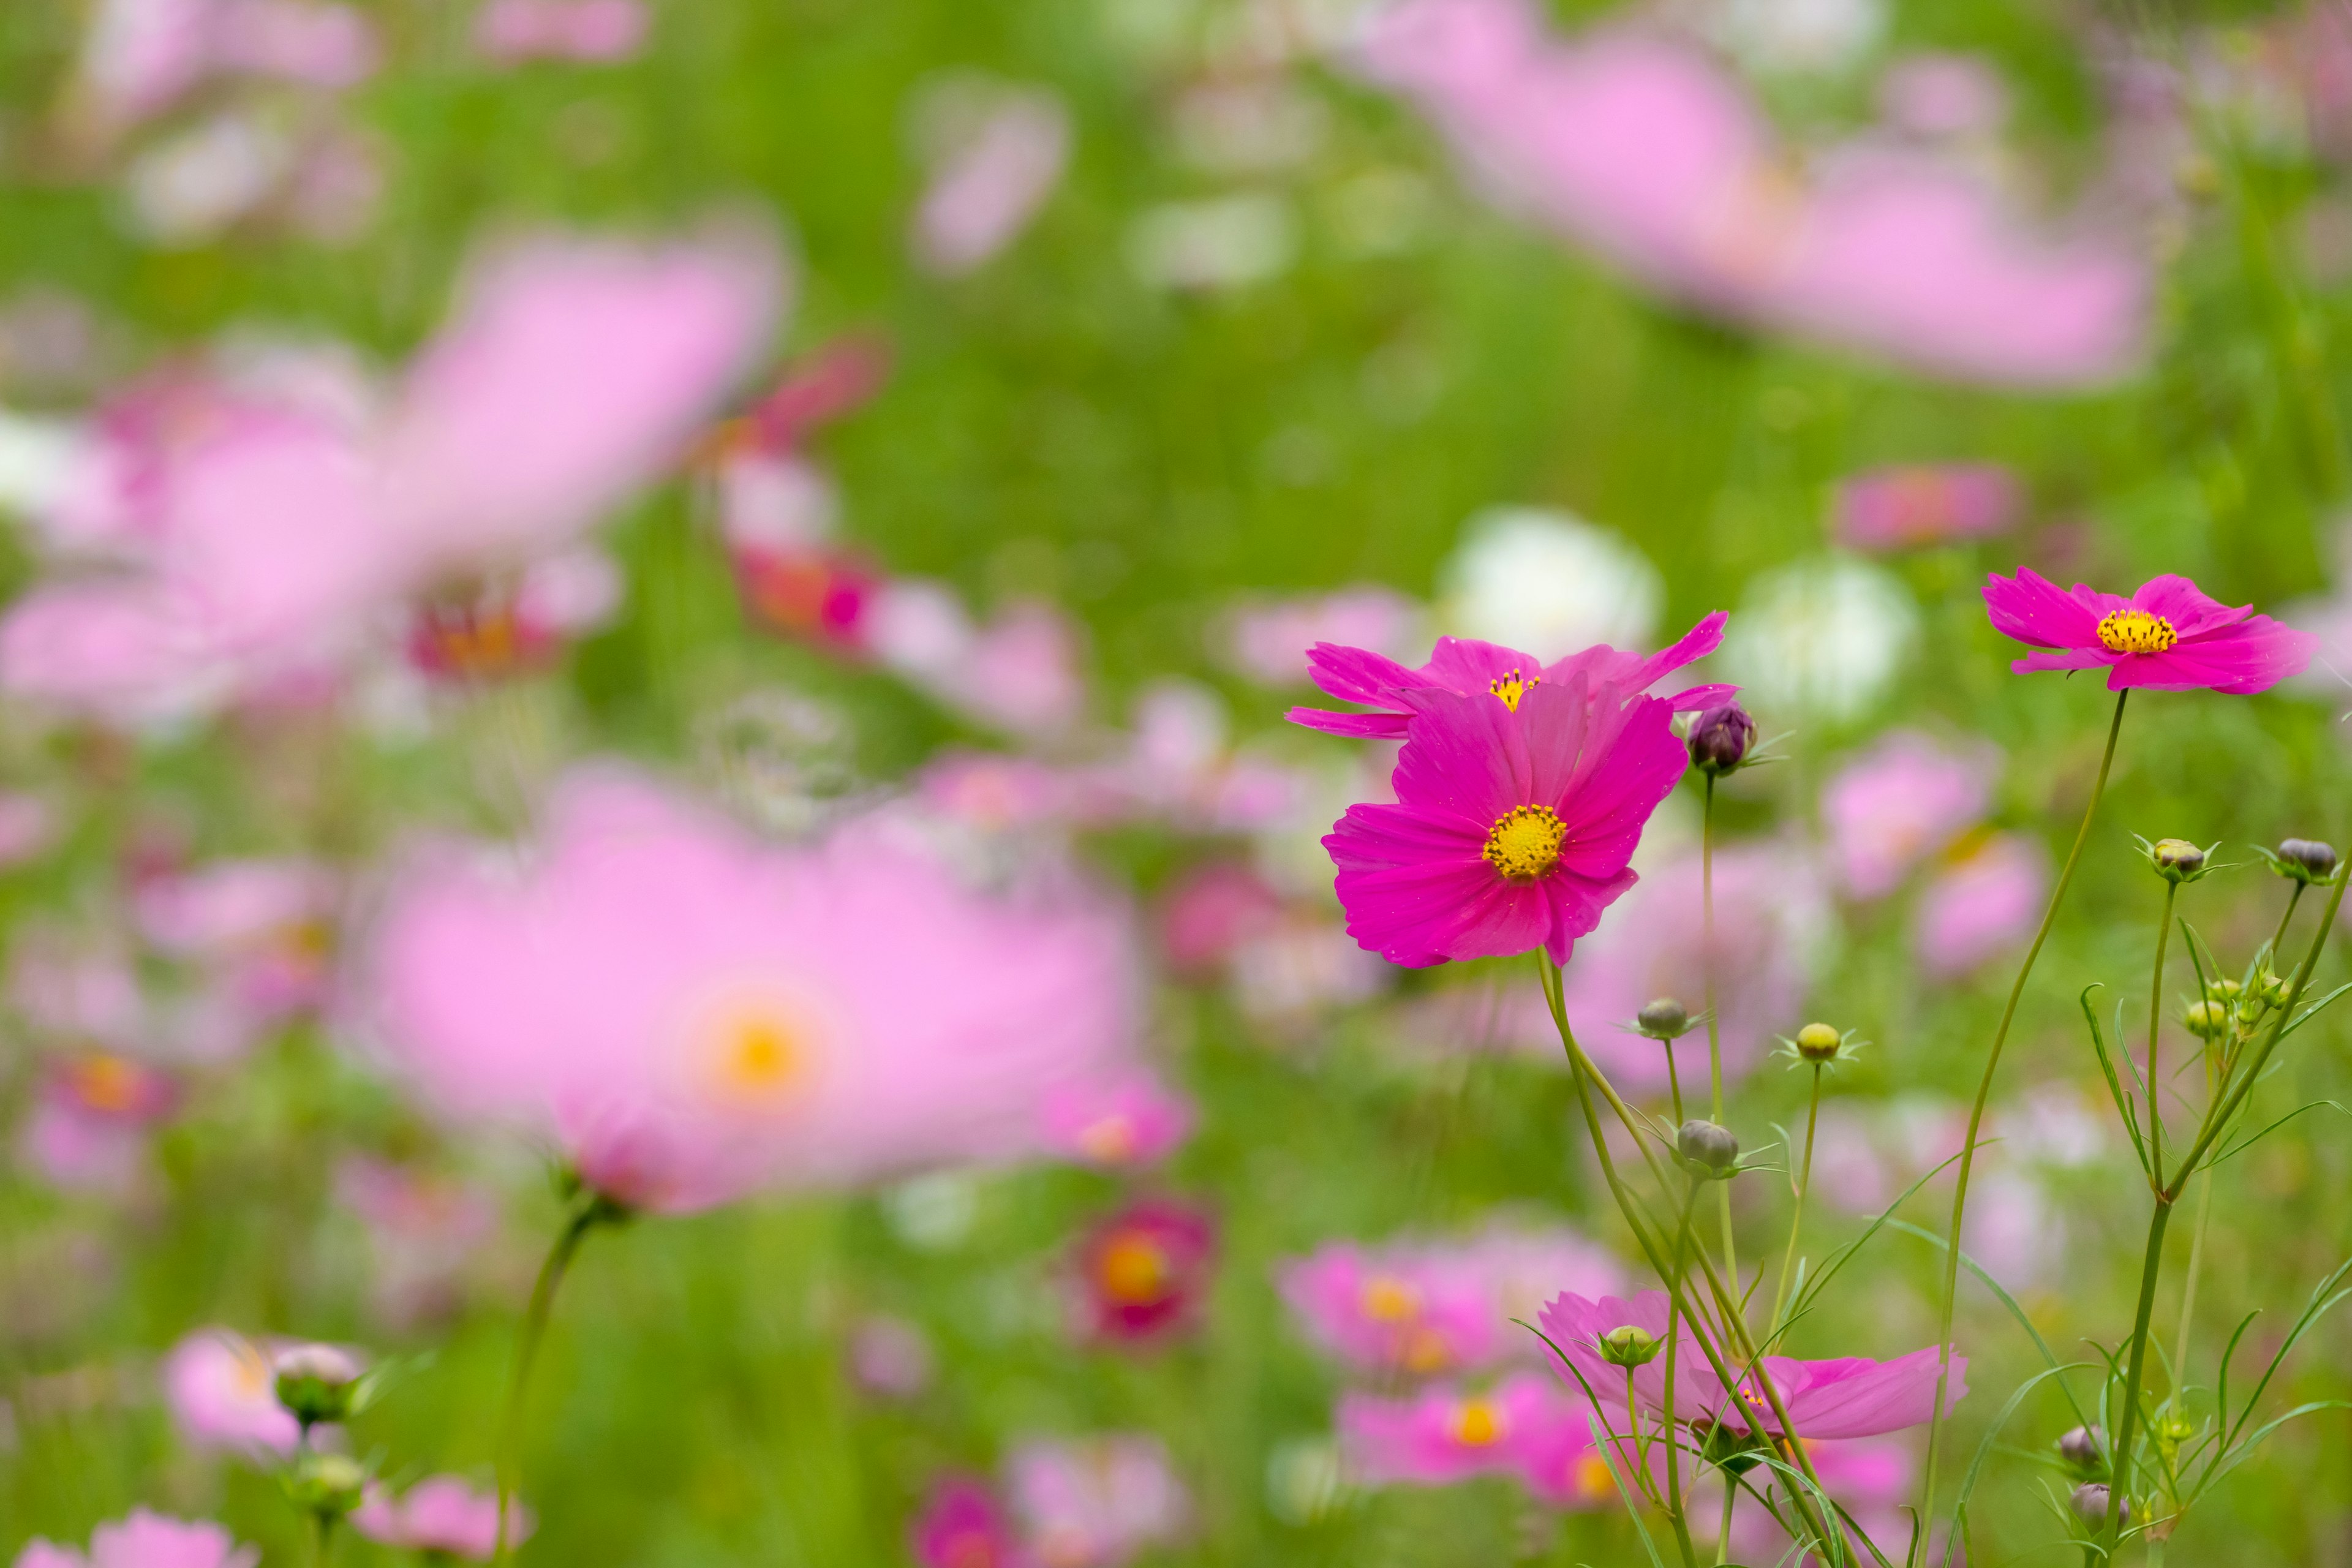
(1426, 1307)
(1904, 507)
(962, 1526)
(1939, 95)
(1133, 1120)
(441, 1515)
(28, 827)
(1094, 1502)
(1870, 1478)
(1770, 915)
(76, 993)
(1211, 912)
(91, 1117)
(140, 56)
(988, 180)
(511, 626)
(1267, 640)
(264, 925)
(421, 1232)
(1017, 673)
(689, 1014)
(1142, 1272)
(295, 40)
(2169, 635)
(1899, 802)
(891, 1357)
(146, 1540)
(221, 1393)
(1444, 1435)
(509, 31)
(1650, 152)
(1849, 1397)
(1985, 900)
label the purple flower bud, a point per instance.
(2305, 859)
(1720, 737)
(2090, 1502)
(2086, 1448)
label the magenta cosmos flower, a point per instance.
(1524, 1426)
(1849, 1397)
(1513, 824)
(1143, 1271)
(2167, 636)
(1468, 666)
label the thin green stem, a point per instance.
(1976, 1120)
(1673, 1316)
(1714, 1030)
(2279, 936)
(1797, 1220)
(2128, 1417)
(2188, 1296)
(1674, 1083)
(590, 1212)
(321, 1537)
(2155, 1026)
(1723, 1528)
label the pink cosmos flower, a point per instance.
(518, 624)
(1211, 912)
(1018, 672)
(221, 1393)
(1985, 900)
(962, 1526)
(1444, 1435)
(2167, 636)
(146, 1540)
(1870, 1478)
(1513, 824)
(1268, 641)
(1131, 1121)
(91, 1114)
(1469, 667)
(142, 56)
(689, 1014)
(1648, 151)
(1850, 1396)
(1143, 1271)
(891, 1357)
(28, 827)
(509, 31)
(1094, 1502)
(1902, 800)
(262, 923)
(1904, 508)
(421, 1232)
(992, 174)
(440, 1515)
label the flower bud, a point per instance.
(1818, 1043)
(2086, 1448)
(2305, 859)
(2090, 1502)
(315, 1382)
(2207, 1020)
(2270, 990)
(1706, 1149)
(327, 1485)
(1663, 1019)
(2176, 859)
(1720, 737)
(1629, 1345)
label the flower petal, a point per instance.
(2190, 608)
(1466, 664)
(1463, 754)
(2032, 609)
(1355, 726)
(1360, 675)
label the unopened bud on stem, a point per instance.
(327, 1485)
(1720, 738)
(1818, 1043)
(2177, 859)
(1708, 1149)
(1629, 1345)
(2305, 859)
(315, 1382)
(2090, 1502)
(2207, 1020)
(2086, 1448)
(1663, 1019)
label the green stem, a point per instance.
(1723, 1528)
(1674, 1083)
(1714, 1031)
(1797, 1220)
(2150, 1265)
(1673, 1315)
(2188, 1296)
(590, 1212)
(1976, 1119)
(321, 1537)
(2279, 936)
(2154, 1021)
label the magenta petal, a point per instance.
(1355, 726)
(1442, 910)
(2032, 609)
(1698, 699)
(1374, 836)
(1463, 755)
(1856, 1398)
(2092, 657)
(1467, 666)
(1553, 718)
(2188, 607)
(1360, 675)
(1694, 644)
(1577, 905)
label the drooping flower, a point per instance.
(1094, 1502)
(1469, 668)
(688, 1014)
(1848, 1396)
(1905, 798)
(1933, 503)
(1142, 1272)
(1526, 1425)
(2169, 635)
(1513, 825)
(962, 1526)
(440, 1515)
(146, 1540)
(222, 1390)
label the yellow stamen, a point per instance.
(1512, 686)
(105, 1083)
(1387, 1300)
(1525, 843)
(1425, 1350)
(2137, 631)
(1134, 1270)
(1590, 1475)
(1476, 1423)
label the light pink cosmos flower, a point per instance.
(221, 1393)
(147, 1540)
(891, 1357)
(1018, 672)
(1467, 667)
(28, 827)
(92, 1115)
(1769, 917)
(1133, 1120)
(1899, 802)
(1938, 95)
(688, 1014)
(440, 1515)
(1921, 504)
(1985, 900)
(1527, 1425)
(1850, 1396)
(265, 537)
(1267, 640)
(262, 923)
(2167, 636)
(1211, 912)
(601, 32)
(422, 1234)
(995, 166)
(1648, 151)
(1094, 1502)
(140, 57)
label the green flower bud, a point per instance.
(2207, 1020)
(1629, 1345)
(327, 1485)
(1818, 1043)
(315, 1382)
(1708, 1149)
(2177, 859)
(1663, 1019)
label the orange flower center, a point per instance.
(1476, 1423)
(1135, 1270)
(1112, 1141)
(1425, 1350)
(1512, 686)
(1525, 843)
(1388, 1299)
(1588, 1473)
(2137, 631)
(105, 1083)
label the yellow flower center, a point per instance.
(1111, 1141)
(105, 1083)
(1387, 1300)
(2137, 631)
(1591, 1477)
(1476, 1423)
(1512, 686)
(1134, 1270)
(1425, 1350)
(1525, 843)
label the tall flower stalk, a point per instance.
(592, 1210)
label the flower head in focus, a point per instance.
(1143, 1271)
(2169, 635)
(1513, 825)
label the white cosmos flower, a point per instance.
(1824, 637)
(1547, 583)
